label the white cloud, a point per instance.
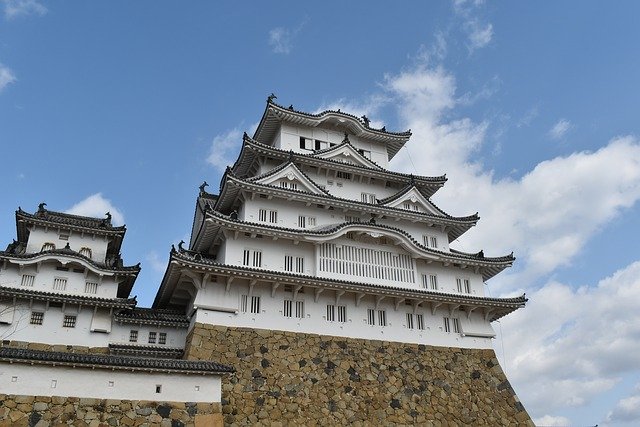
(281, 38)
(369, 108)
(627, 410)
(550, 420)
(560, 129)
(224, 149)
(159, 265)
(528, 117)
(6, 77)
(479, 34)
(97, 206)
(16, 8)
(573, 344)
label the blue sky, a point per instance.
(530, 108)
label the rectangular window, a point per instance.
(252, 258)
(371, 316)
(300, 309)
(430, 241)
(243, 303)
(456, 325)
(37, 317)
(447, 324)
(463, 285)
(321, 145)
(331, 313)
(425, 281)
(255, 304)
(69, 321)
(133, 336)
(273, 217)
(90, 288)
(349, 218)
(306, 221)
(343, 175)
(152, 337)
(342, 313)
(407, 205)
(467, 286)
(420, 321)
(287, 309)
(265, 215)
(382, 318)
(299, 265)
(306, 143)
(59, 283)
(409, 320)
(27, 280)
(162, 338)
(368, 197)
(365, 153)
(433, 282)
(262, 215)
(292, 263)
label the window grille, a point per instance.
(433, 282)
(342, 313)
(152, 337)
(48, 246)
(382, 318)
(447, 324)
(409, 320)
(255, 304)
(252, 258)
(85, 252)
(299, 265)
(407, 205)
(456, 325)
(91, 288)
(162, 338)
(420, 321)
(331, 313)
(434, 241)
(287, 309)
(368, 197)
(343, 175)
(425, 281)
(27, 280)
(59, 284)
(300, 309)
(371, 316)
(36, 317)
(262, 215)
(463, 285)
(133, 335)
(69, 321)
(273, 217)
(257, 258)
(243, 303)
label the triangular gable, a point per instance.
(415, 199)
(289, 177)
(346, 153)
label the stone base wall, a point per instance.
(41, 411)
(286, 378)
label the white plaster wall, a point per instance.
(39, 235)
(47, 272)
(44, 380)
(176, 337)
(273, 252)
(271, 317)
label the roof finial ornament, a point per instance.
(173, 247)
(346, 137)
(384, 129)
(291, 107)
(203, 185)
(481, 254)
(366, 120)
(108, 215)
(413, 180)
(271, 97)
(372, 220)
(180, 245)
(244, 135)
(234, 215)
(67, 246)
(291, 155)
(41, 207)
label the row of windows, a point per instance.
(314, 144)
(59, 283)
(430, 281)
(37, 318)
(265, 215)
(338, 313)
(49, 246)
(161, 337)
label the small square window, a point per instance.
(133, 336)
(14, 379)
(158, 388)
(37, 317)
(69, 321)
(110, 383)
(54, 383)
(162, 338)
(152, 337)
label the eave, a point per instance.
(113, 303)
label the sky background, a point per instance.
(531, 109)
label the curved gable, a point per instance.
(289, 176)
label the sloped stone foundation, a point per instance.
(285, 378)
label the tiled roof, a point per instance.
(70, 253)
(146, 350)
(151, 316)
(108, 361)
(62, 218)
(68, 298)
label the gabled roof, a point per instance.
(346, 150)
(111, 362)
(496, 307)
(150, 316)
(251, 150)
(84, 224)
(490, 266)
(275, 114)
(289, 172)
(412, 194)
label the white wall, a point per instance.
(44, 380)
(39, 235)
(271, 316)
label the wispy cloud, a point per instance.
(17, 8)
(281, 39)
(97, 206)
(224, 148)
(559, 130)
(479, 33)
(528, 117)
(627, 410)
(550, 420)
(6, 77)
(158, 264)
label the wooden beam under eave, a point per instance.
(317, 293)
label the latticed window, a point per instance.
(331, 313)
(133, 335)
(86, 252)
(287, 309)
(69, 321)
(27, 280)
(430, 241)
(382, 318)
(420, 321)
(243, 303)
(410, 320)
(371, 316)
(37, 317)
(48, 246)
(162, 338)
(59, 283)
(343, 175)
(456, 325)
(152, 337)
(464, 285)
(255, 304)
(91, 288)
(300, 309)
(447, 324)
(368, 197)
(252, 258)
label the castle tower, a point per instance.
(328, 282)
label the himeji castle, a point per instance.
(318, 287)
